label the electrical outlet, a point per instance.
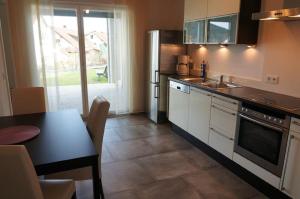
(272, 79)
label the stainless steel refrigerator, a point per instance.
(163, 47)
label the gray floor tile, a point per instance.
(110, 135)
(160, 165)
(168, 189)
(122, 195)
(106, 156)
(167, 143)
(84, 189)
(167, 165)
(135, 132)
(130, 149)
(122, 176)
(220, 183)
(199, 158)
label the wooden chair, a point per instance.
(96, 126)
(28, 100)
(19, 179)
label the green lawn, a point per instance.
(73, 78)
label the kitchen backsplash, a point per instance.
(276, 54)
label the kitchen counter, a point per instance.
(282, 103)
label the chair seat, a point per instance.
(57, 189)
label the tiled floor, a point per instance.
(143, 161)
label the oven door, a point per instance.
(261, 143)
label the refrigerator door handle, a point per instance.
(156, 91)
(156, 76)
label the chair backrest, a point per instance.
(96, 121)
(28, 100)
(18, 177)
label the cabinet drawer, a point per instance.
(295, 125)
(223, 120)
(221, 143)
(226, 102)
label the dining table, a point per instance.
(62, 144)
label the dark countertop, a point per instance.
(270, 100)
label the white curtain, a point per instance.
(44, 41)
(121, 47)
(121, 59)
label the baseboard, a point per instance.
(247, 176)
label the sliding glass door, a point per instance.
(96, 25)
(82, 52)
(66, 74)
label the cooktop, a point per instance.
(275, 101)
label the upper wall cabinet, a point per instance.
(222, 7)
(220, 21)
(195, 9)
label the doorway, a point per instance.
(82, 40)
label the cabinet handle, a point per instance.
(217, 132)
(225, 100)
(223, 110)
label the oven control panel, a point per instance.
(284, 122)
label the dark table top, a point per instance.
(64, 140)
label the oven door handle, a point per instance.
(261, 123)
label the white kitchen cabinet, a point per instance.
(225, 102)
(195, 9)
(295, 125)
(221, 143)
(199, 114)
(179, 108)
(223, 120)
(291, 179)
(215, 8)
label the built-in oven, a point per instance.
(262, 136)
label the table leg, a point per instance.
(96, 180)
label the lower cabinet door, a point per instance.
(221, 143)
(199, 114)
(223, 120)
(179, 108)
(291, 181)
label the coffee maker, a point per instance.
(182, 67)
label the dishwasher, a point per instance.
(179, 104)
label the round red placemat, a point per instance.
(17, 134)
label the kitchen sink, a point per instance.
(193, 79)
(217, 85)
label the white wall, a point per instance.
(277, 53)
